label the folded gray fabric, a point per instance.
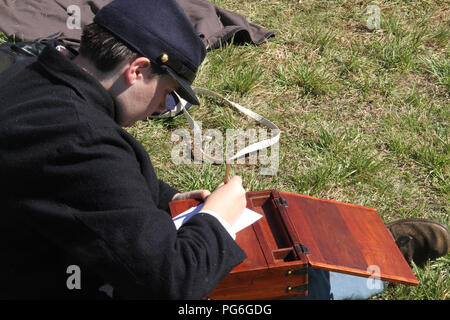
(30, 19)
(217, 26)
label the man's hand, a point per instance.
(195, 194)
(228, 200)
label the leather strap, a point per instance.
(249, 149)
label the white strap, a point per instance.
(169, 114)
(249, 149)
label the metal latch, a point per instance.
(281, 201)
(301, 248)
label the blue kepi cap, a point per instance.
(160, 31)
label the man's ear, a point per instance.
(136, 69)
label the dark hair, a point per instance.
(107, 51)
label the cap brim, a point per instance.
(185, 91)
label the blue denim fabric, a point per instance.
(327, 285)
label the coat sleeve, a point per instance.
(107, 219)
(166, 193)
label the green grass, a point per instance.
(364, 115)
(439, 68)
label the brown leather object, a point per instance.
(420, 239)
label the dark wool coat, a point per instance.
(76, 189)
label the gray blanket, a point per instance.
(31, 19)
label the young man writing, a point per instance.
(80, 191)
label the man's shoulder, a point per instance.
(30, 97)
(53, 88)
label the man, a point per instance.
(80, 194)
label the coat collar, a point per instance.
(85, 85)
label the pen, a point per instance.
(227, 172)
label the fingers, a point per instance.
(228, 200)
(195, 194)
(202, 194)
(235, 179)
(176, 196)
(234, 185)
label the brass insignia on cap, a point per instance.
(164, 58)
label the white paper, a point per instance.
(247, 218)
